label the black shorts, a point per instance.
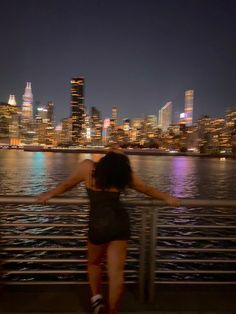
(110, 227)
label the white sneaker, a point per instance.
(98, 305)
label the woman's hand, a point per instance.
(43, 197)
(172, 201)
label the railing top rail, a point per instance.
(15, 199)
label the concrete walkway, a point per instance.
(149, 312)
(171, 299)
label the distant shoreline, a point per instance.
(144, 152)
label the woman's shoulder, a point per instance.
(85, 168)
(87, 163)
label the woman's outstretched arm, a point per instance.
(140, 186)
(78, 176)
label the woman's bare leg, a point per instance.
(95, 255)
(116, 255)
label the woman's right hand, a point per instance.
(43, 197)
(172, 201)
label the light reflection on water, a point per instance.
(187, 177)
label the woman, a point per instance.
(109, 222)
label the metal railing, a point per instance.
(155, 250)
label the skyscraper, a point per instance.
(9, 124)
(50, 109)
(165, 116)
(188, 108)
(114, 113)
(77, 109)
(42, 114)
(12, 100)
(151, 122)
(96, 126)
(27, 106)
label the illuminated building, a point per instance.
(165, 116)
(105, 133)
(114, 114)
(96, 126)
(45, 131)
(9, 124)
(136, 130)
(151, 122)
(50, 130)
(58, 131)
(27, 127)
(77, 109)
(230, 118)
(126, 125)
(188, 108)
(12, 100)
(229, 137)
(87, 133)
(137, 123)
(149, 128)
(126, 131)
(42, 113)
(27, 105)
(50, 111)
(216, 136)
(41, 125)
(174, 129)
(66, 132)
(182, 122)
(212, 135)
(113, 124)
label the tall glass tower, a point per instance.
(165, 116)
(77, 109)
(188, 108)
(27, 106)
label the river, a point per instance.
(30, 173)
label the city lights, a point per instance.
(207, 135)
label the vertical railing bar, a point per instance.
(142, 258)
(152, 254)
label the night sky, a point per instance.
(135, 54)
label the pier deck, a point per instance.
(170, 299)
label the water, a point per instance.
(29, 173)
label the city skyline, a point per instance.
(134, 56)
(185, 114)
(182, 114)
(20, 127)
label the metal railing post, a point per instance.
(142, 257)
(152, 254)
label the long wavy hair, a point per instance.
(113, 170)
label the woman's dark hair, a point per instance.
(113, 170)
